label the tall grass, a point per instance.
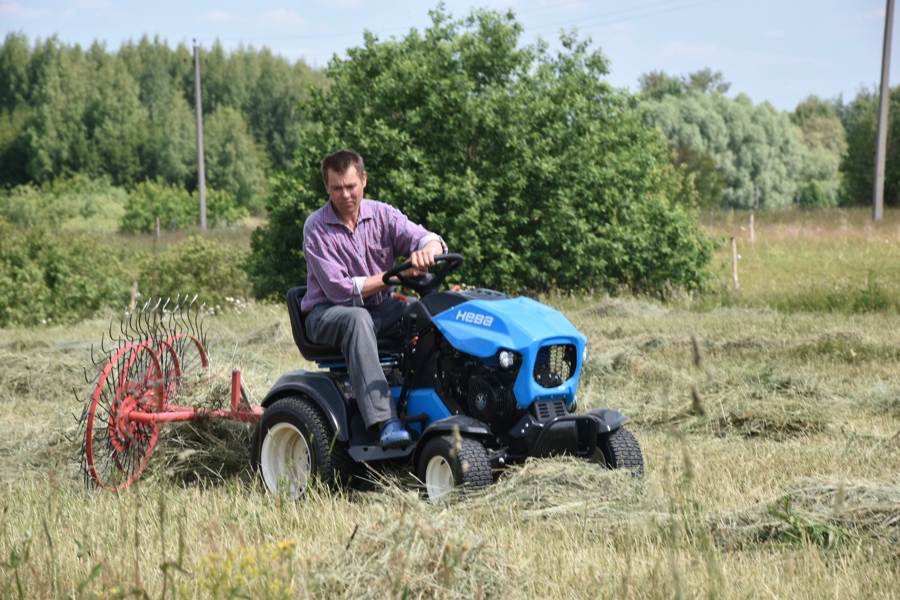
(771, 439)
(830, 260)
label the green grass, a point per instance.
(771, 438)
(834, 261)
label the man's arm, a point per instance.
(421, 259)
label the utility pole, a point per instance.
(881, 141)
(201, 168)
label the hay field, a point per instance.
(771, 437)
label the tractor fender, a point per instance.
(608, 420)
(319, 387)
(467, 426)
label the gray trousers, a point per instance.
(356, 329)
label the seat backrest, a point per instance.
(309, 350)
(317, 352)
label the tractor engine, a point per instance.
(480, 391)
(489, 400)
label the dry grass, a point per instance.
(772, 442)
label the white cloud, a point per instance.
(93, 5)
(281, 17)
(342, 4)
(565, 6)
(14, 10)
(775, 58)
(217, 16)
(100, 9)
(690, 49)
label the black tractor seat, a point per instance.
(325, 354)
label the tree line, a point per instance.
(527, 160)
(753, 156)
(129, 115)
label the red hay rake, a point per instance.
(157, 352)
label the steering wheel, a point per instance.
(429, 282)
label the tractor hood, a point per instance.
(484, 327)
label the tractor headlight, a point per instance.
(584, 355)
(507, 359)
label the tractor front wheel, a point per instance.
(622, 451)
(446, 464)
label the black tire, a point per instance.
(444, 466)
(294, 444)
(622, 451)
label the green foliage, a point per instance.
(75, 202)
(233, 162)
(150, 200)
(276, 257)
(820, 122)
(860, 118)
(701, 174)
(129, 116)
(756, 148)
(814, 195)
(47, 275)
(799, 529)
(175, 208)
(874, 298)
(657, 84)
(529, 163)
(205, 267)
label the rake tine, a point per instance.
(112, 319)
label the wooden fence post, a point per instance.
(734, 259)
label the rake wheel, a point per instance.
(183, 359)
(118, 448)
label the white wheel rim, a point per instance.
(439, 479)
(285, 459)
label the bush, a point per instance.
(198, 266)
(172, 204)
(540, 172)
(76, 202)
(56, 276)
(175, 207)
(815, 195)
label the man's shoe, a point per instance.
(394, 435)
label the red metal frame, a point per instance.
(127, 407)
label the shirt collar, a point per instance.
(366, 212)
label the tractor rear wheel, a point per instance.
(622, 451)
(294, 444)
(445, 465)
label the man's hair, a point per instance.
(340, 162)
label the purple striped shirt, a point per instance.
(338, 260)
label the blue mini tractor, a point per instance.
(481, 380)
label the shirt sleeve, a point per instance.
(432, 236)
(409, 236)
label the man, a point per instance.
(350, 243)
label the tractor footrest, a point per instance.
(375, 453)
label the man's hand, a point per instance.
(424, 258)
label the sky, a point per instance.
(771, 50)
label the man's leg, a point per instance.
(352, 328)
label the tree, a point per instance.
(657, 84)
(532, 165)
(860, 119)
(129, 115)
(233, 162)
(757, 148)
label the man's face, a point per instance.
(346, 192)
